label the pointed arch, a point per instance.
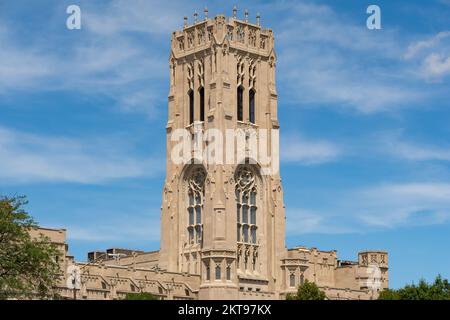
(201, 93)
(240, 103)
(251, 105)
(191, 106)
(195, 177)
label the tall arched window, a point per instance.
(191, 106)
(202, 103)
(251, 105)
(208, 272)
(196, 193)
(292, 280)
(240, 103)
(218, 272)
(246, 206)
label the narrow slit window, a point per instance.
(251, 106)
(202, 104)
(191, 107)
(240, 103)
(218, 272)
(292, 280)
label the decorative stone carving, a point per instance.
(190, 39)
(240, 33)
(252, 37)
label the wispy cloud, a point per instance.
(29, 157)
(395, 145)
(298, 149)
(395, 205)
(432, 56)
(142, 229)
(117, 55)
(303, 221)
(412, 151)
(326, 59)
(383, 206)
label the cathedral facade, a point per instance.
(222, 215)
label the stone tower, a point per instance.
(222, 211)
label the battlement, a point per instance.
(238, 34)
(371, 257)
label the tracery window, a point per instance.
(196, 193)
(246, 206)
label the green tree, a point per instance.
(28, 267)
(141, 296)
(307, 291)
(438, 290)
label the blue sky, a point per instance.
(364, 114)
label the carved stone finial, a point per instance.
(195, 16)
(258, 19)
(234, 12)
(206, 13)
(185, 21)
(246, 15)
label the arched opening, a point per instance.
(251, 105)
(240, 103)
(246, 206)
(218, 272)
(292, 280)
(202, 103)
(196, 194)
(191, 106)
(247, 220)
(208, 272)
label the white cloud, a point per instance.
(420, 153)
(384, 206)
(325, 59)
(436, 66)
(432, 56)
(148, 17)
(393, 144)
(416, 47)
(309, 152)
(29, 158)
(19, 67)
(395, 205)
(142, 229)
(118, 55)
(303, 221)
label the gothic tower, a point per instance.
(222, 211)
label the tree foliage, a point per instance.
(28, 267)
(438, 290)
(141, 296)
(307, 291)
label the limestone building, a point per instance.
(223, 215)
